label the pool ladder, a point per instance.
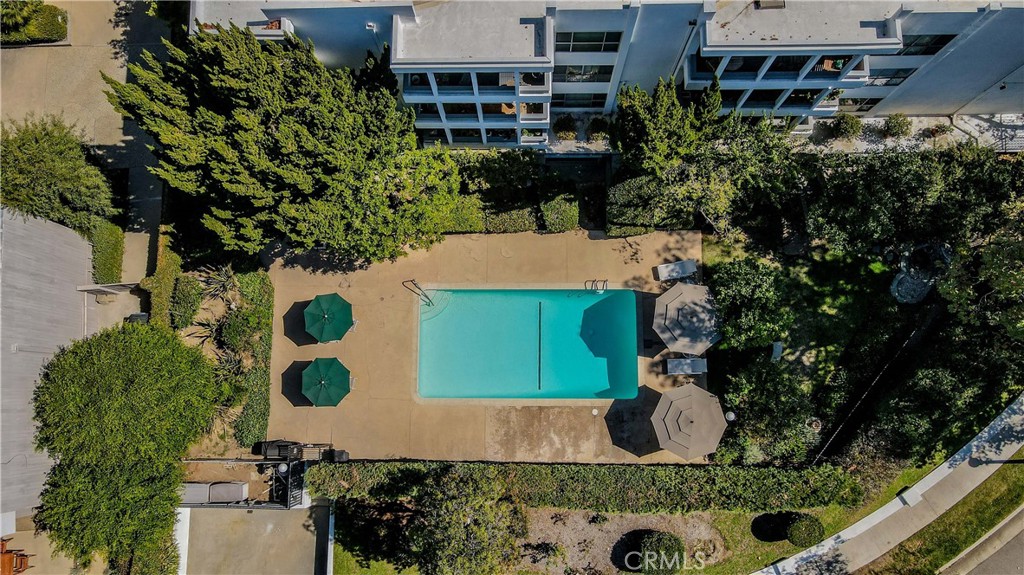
(420, 292)
(596, 285)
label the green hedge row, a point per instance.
(46, 24)
(107, 252)
(186, 299)
(248, 329)
(160, 285)
(612, 488)
(561, 213)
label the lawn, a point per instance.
(345, 563)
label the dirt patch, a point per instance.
(593, 544)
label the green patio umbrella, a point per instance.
(328, 317)
(326, 381)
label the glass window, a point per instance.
(889, 76)
(466, 136)
(578, 100)
(587, 41)
(583, 73)
(423, 110)
(787, 64)
(459, 109)
(497, 136)
(499, 109)
(428, 137)
(857, 104)
(924, 45)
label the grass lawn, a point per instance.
(346, 564)
(959, 527)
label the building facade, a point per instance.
(495, 73)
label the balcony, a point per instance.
(534, 83)
(272, 29)
(828, 67)
(496, 83)
(454, 82)
(533, 113)
(499, 113)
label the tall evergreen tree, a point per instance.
(278, 147)
(708, 108)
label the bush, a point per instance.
(941, 130)
(40, 23)
(467, 216)
(186, 299)
(161, 284)
(749, 299)
(896, 126)
(249, 329)
(611, 488)
(635, 204)
(564, 127)
(251, 425)
(614, 231)
(14, 14)
(46, 174)
(846, 126)
(598, 129)
(805, 531)
(561, 214)
(107, 252)
(659, 550)
(511, 221)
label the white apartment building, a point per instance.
(495, 73)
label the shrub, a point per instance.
(46, 174)
(659, 550)
(561, 214)
(564, 127)
(846, 126)
(611, 488)
(805, 531)
(614, 231)
(597, 129)
(26, 22)
(749, 299)
(14, 14)
(248, 329)
(186, 299)
(467, 216)
(636, 203)
(107, 252)
(896, 126)
(251, 425)
(941, 130)
(160, 285)
(511, 221)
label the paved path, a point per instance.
(66, 80)
(873, 536)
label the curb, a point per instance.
(982, 549)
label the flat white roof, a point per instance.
(470, 30)
(801, 22)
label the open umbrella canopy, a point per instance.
(684, 318)
(689, 422)
(326, 381)
(328, 317)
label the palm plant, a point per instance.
(207, 330)
(219, 283)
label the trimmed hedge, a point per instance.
(659, 546)
(561, 214)
(249, 329)
(107, 252)
(186, 299)
(805, 531)
(611, 488)
(160, 285)
(467, 216)
(46, 24)
(511, 221)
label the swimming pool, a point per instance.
(528, 344)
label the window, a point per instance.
(857, 104)
(763, 98)
(508, 109)
(426, 110)
(924, 45)
(583, 73)
(500, 136)
(889, 76)
(428, 137)
(459, 110)
(463, 136)
(787, 65)
(578, 100)
(587, 41)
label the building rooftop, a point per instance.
(475, 31)
(800, 22)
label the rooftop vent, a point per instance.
(769, 4)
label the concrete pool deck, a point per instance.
(383, 417)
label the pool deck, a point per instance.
(382, 418)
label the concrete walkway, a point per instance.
(65, 80)
(876, 534)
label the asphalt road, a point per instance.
(1006, 561)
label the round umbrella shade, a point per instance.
(689, 422)
(328, 317)
(326, 381)
(684, 318)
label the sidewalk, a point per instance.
(918, 506)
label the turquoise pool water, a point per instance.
(523, 344)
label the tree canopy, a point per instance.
(117, 411)
(749, 300)
(46, 174)
(275, 146)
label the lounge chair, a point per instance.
(676, 270)
(686, 366)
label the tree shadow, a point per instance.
(318, 523)
(629, 423)
(374, 531)
(771, 527)
(291, 384)
(139, 28)
(628, 543)
(295, 324)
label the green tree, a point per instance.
(924, 409)
(278, 147)
(466, 524)
(376, 73)
(749, 302)
(46, 174)
(709, 106)
(16, 13)
(652, 131)
(118, 410)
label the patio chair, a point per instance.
(686, 366)
(676, 270)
